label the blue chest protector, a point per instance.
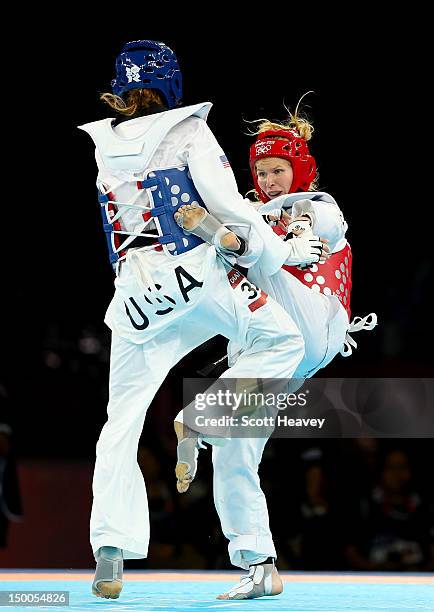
(168, 190)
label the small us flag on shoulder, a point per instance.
(224, 161)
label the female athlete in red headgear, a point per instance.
(316, 296)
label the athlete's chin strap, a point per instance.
(357, 324)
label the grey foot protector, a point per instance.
(188, 451)
(109, 566)
(257, 583)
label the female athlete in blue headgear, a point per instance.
(172, 292)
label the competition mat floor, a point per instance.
(181, 591)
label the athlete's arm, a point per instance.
(215, 182)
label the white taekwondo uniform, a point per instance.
(169, 301)
(321, 315)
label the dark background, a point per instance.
(368, 112)
(367, 144)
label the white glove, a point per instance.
(298, 226)
(305, 249)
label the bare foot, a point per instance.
(189, 216)
(108, 590)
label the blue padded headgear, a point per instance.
(151, 65)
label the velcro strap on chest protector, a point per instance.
(168, 190)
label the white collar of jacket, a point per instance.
(119, 153)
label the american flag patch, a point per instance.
(224, 161)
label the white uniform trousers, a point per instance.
(238, 498)
(273, 347)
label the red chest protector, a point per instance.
(331, 278)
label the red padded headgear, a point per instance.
(294, 148)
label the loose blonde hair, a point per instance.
(136, 100)
(297, 122)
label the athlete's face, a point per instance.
(274, 176)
